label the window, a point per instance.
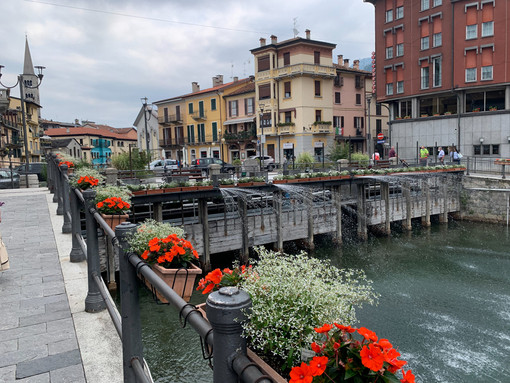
(424, 77)
(389, 15)
(358, 125)
(400, 86)
(471, 31)
(389, 89)
(264, 91)
(266, 119)
(317, 57)
(486, 150)
(424, 43)
(437, 39)
(437, 3)
(378, 109)
(317, 88)
(389, 81)
(318, 115)
(213, 104)
(399, 13)
(201, 132)
(263, 63)
(358, 99)
(476, 150)
(288, 116)
(495, 149)
(436, 71)
(190, 108)
(487, 72)
(286, 58)
(338, 99)
(233, 108)
(191, 134)
(215, 132)
(400, 50)
(357, 82)
(389, 52)
(249, 105)
(425, 5)
(286, 86)
(470, 74)
(488, 29)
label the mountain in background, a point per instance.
(365, 64)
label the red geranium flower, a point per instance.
(318, 365)
(367, 334)
(348, 329)
(325, 328)
(408, 377)
(372, 357)
(301, 374)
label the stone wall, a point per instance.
(484, 205)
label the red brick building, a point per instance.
(439, 62)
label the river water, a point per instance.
(445, 303)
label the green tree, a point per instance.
(339, 151)
(138, 160)
(304, 160)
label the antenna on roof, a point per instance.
(244, 67)
(295, 30)
(231, 70)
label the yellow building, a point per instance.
(191, 125)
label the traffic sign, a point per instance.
(380, 136)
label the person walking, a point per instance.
(440, 156)
(424, 156)
(455, 156)
(392, 152)
(376, 156)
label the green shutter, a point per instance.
(214, 131)
(190, 108)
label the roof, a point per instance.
(295, 40)
(62, 143)
(248, 88)
(94, 130)
(354, 70)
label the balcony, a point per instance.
(170, 119)
(305, 70)
(322, 127)
(171, 142)
(246, 135)
(199, 116)
(286, 128)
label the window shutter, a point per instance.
(400, 73)
(286, 58)
(389, 40)
(317, 88)
(487, 12)
(400, 36)
(438, 25)
(389, 4)
(400, 3)
(487, 56)
(389, 76)
(263, 63)
(287, 87)
(215, 131)
(424, 29)
(471, 15)
(264, 91)
(471, 59)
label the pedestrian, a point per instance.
(424, 156)
(392, 152)
(376, 156)
(456, 157)
(4, 257)
(440, 156)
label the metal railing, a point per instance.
(485, 165)
(221, 335)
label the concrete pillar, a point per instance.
(245, 250)
(362, 216)
(337, 200)
(204, 220)
(425, 220)
(310, 210)
(406, 190)
(385, 196)
(111, 175)
(507, 97)
(158, 211)
(278, 200)
(443, 217)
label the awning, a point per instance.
(239, 120)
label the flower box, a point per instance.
(139, 192)
(189, 188)
(172, 190)
(209, 187)
(113, 220)
(227, 186)
(280, 181)
(181, 281)
(154, 191)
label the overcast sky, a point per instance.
(102, 56)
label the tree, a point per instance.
(339, 151)
(138, 160)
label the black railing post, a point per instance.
(94, 302)
(54, 175)
(66, 206)
(60, 191)
(225, 311)
(49, 176)
(76, 254)
(130, 308)
(468, 167)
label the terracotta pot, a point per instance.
(114, 220)
(181, 281)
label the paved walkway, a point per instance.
(45, 333)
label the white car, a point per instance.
(268, 161)
(158, 166)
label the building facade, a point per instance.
(442, 67)
(150, 143)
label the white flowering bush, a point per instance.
(84, 172)
(148, 230)
(293, 294)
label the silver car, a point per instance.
(5, 179)
(158, 166)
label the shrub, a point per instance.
(361, 158)
(339, 151)
(84, 172)
(304, 160)
(138, 160)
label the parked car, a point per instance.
(5, 179)
(158, 166)
(38, 168)
(203, 163)
(268, 162)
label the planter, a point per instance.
(181, 281)
(154, 191)
(172, 190)
(227, 186)
(139, 192)
(189, 188)
(114, 220)
(280, 181)
(245, 184)
(340, 177)
(210, 187)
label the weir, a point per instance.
(235, 219)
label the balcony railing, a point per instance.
(199, 116)
(286, 129)
(240, 136)
(170, 119)
(322, 128)
(171, 142)
(305, 69)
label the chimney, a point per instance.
(262, 41)
(195, 87)
(307, 34)
(274, 39)
(67, 130)
(217, 80)
(355, 64)
(340, 59)
(236, 78)
(346, 63)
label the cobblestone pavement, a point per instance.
(38, 341)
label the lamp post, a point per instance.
(20, 82)
(262, 139)
(147, 133)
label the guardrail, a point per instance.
(221, 335)
(486, 166)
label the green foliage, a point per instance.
(82, 164)
(148, 230)
(237, 162)
(339, 151)
(138, 160)
(361, 158)
(304, 160)
(105, 192)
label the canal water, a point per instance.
(445, 303)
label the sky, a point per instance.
(103, 56)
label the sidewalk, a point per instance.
(45, 333)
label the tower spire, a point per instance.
(28, 67)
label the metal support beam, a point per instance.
(406, 190)
(362, 216)
(204, 220)
(385, 196)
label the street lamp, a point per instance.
(147, 134)
(262, 139)
(20, 82)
